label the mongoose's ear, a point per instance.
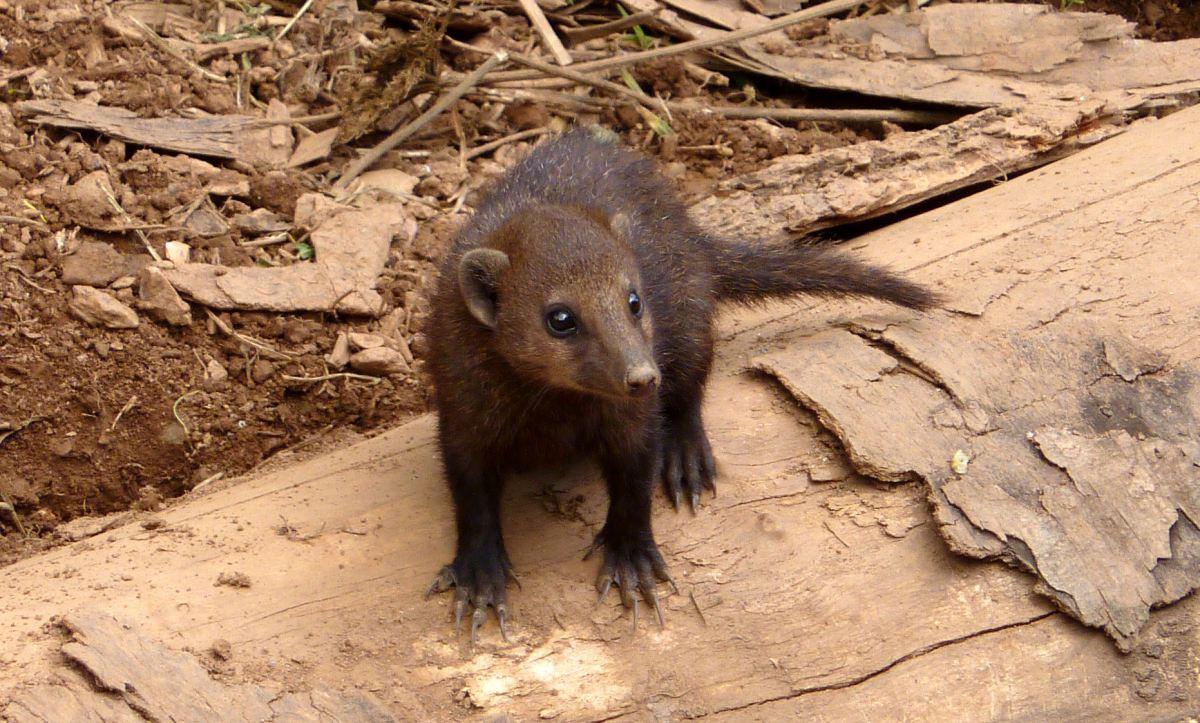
(479, 280)
(621, 226)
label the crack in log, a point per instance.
(1054, 217)
(859, 679)
(768, 498)
(894, 350)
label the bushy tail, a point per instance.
(749, 273)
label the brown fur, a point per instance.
(579, 224)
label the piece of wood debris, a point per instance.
(983, 55)
(132, 677)
(802, 193)
(725, 14)
(314, 147)
(709, 41)
(1077, 413)
(351, 248)
(661, 20)
(545, 32)
(220, 136)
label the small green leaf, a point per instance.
(304, 251)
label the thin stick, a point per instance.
(13, 429)
(128, 405)
(519, 136)
(334, 375)
(303, 9)
(542, 26)
(117, 205)
(846, 115)
(578, 103)
(278, 238)
(575, 75)
(570, 74)
(208, 480)
(736, 36)
(248, 341)
(298, 120)
(591, 32)
(21, 221)
(396, 138)
(29, 281)
(11, 509)
(850, 115)
(175, 412)
(157, 41)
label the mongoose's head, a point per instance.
(560, 290)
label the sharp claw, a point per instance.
(628, 599)
(677, 499)
(502, 616)
(653, 598)
(477, 619)
(513, 576)
(444, 579)
(460, 607)
(635, 613)
(604, 590)
(695, 502)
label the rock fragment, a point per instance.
(99, 309)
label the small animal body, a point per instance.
(573, 318)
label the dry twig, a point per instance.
(736, 36)
(333, 375)
(542, 26)
(421, 121)
(303, 9)
(157, 41)
(591, 32)
(21, 221)
(845, 115)
(493, 145)
(247, 340)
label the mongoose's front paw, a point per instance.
(479, 578)
(634, 566)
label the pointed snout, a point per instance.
(641, 379)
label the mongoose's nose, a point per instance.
(641, 379)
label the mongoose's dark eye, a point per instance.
(635, 304)
(561, 322)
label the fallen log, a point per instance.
(1060, 376)
(804, 589)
